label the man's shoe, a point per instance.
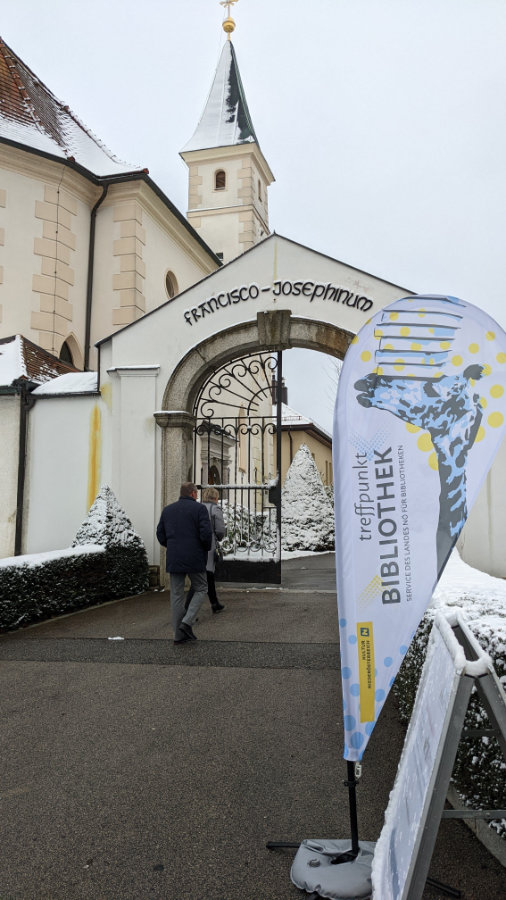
(184, 640)
(188, 630)
(217, 607)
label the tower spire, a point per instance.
(228, 23)
(228, 173)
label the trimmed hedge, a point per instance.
(479, 774)
(107, 561)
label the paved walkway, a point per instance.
(136, 770)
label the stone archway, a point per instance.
(276, 330)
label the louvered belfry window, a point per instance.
(220, 180)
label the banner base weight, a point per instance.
(314, 869)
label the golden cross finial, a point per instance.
(228, 23)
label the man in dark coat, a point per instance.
(185, 530)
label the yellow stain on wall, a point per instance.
(94, 455)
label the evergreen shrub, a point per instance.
(107, 561)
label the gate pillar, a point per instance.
(177, 451)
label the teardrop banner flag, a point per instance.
(419, 416)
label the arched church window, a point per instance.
(171, 285)
(220, 180)
(65, 354)
(214, 476)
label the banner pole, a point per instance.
(353, 769)
(352, 793)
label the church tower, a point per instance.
(228, 173)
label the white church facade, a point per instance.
(127, 309)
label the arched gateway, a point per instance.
(276, 296)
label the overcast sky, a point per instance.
(382, 120)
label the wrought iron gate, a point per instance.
(237, 448)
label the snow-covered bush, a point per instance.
(108, 525)
(479, 774)
(41, 585)
(307, 520)
(106, 561)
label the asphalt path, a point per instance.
(137, 770)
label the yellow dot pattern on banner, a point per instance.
(393, 316)
(501, 357)
(486, 369)
(495, 419)
(365, 356)
(457, 360)
(496, 391)
(438, 374)
(371, 591)
(480, 434)
(355, 339)
(389, 346)
(421, 315)
(490, 336)
(399, 365)
(415, 346)
(405, 331)
(424, 443)
(379, 332)
(445, 345)
(379, 371)
(483, 401)
(433, 463)
(473, 348)
(412, 428)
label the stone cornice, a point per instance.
(238, 151)
(224, 210)
(177, 418)
(48, 171)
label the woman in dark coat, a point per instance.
(210, 498)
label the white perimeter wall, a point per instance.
(58, 471)
(9, 416)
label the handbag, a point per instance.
(218, 551)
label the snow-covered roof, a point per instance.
(32, 116)
(71, 383)
(226, 120)
(20, 359)
(292, 419)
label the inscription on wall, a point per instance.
(310, 290)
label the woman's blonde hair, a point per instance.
(210, 495)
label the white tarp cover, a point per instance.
(419, 417)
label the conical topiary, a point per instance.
(307, 516)
(107, 525)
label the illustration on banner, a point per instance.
(419, 343)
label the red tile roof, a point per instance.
(31, 115)
(21, 360)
